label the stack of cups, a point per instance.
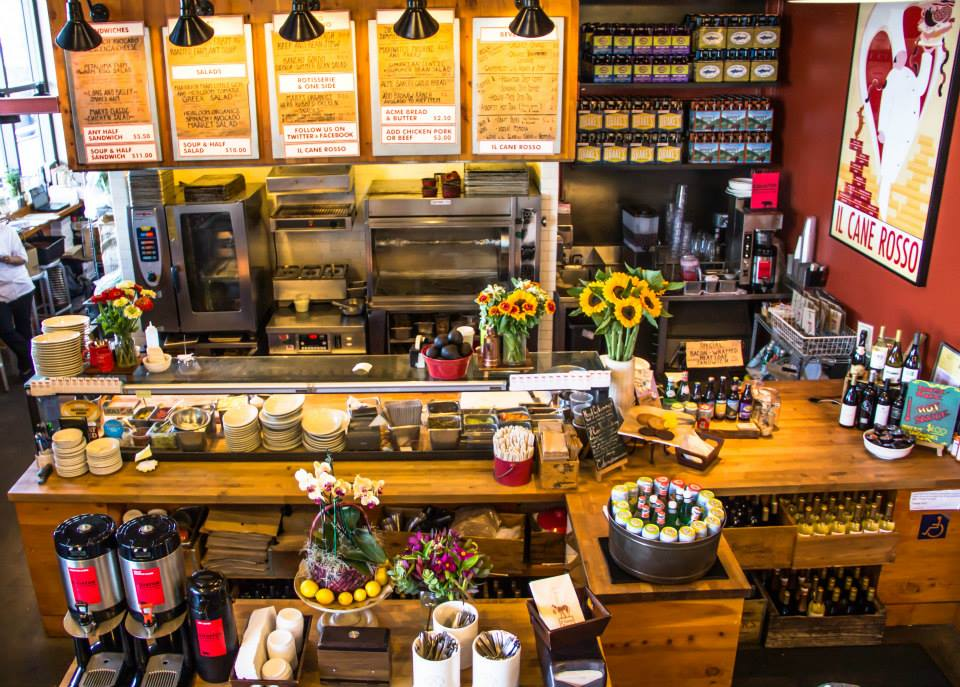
(281, 647)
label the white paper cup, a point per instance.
(291, 620)
(301, 302)
(280, 644)
(500, 672)
(276, 669)
(443, 616)
(445, 673)
(466, 331)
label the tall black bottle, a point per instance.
(213, 632)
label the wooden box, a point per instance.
(762, 547)
(359, 655)
(843, 549)
(786, 632)
(547, 548)
(295, 682)
(572, 639)
(561, 475)
(754, 616)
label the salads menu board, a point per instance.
(517, 90)
(112, 93)
(212, 102)
(313, 91)
(415, 88)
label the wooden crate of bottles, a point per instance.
(757, 532)
(796, 619)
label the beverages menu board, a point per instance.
(517, 90)
(415, 88)
(112, 96)
(313, 92)
(212, 101)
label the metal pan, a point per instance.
(351, 306)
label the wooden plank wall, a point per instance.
(259, 12)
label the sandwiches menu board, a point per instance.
(415, 88)
(112, 95)
(212, 102)
(313, 90)
(517, 90)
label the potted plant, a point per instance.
(618, 302)
(120, 310)
(512, 315)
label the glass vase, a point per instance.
(513, 349)
(125, 351)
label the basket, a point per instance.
(447, 370)
(840, 346)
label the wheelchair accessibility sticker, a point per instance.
(933, 526)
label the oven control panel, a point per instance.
(145, 227)
(316, 343)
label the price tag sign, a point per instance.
(415, 88)
(517, 90)
(212, 97)
(313, 90)
(706, 354)
(113, 97)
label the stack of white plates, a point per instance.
(60, 323)
(324, 429)
(280, 419)
(69, 452)
(57, 354)
(740, 187)
(103, 456)
(242, 429)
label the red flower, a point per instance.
(529, 307)
(112, 294)
(145, 304)
(551, 307)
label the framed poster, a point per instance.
(313, 90)
(517, 90)
(946, 369)
(113, 97)
(415, 87)
(900, 105)
(212, 96)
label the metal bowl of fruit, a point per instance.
(888, 443)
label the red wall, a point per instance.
(820, 39)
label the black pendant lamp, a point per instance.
(416, 23)
(301, 25)
(190, 29)
(531, 21)
(77, 35)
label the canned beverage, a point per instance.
(621, 505)
(661, 518)
(651, 531)
(703, 498)
(662, 485)
(644, 511)
(696, 513)
(676, 485)
(632, 492)
(622, 517)
(635, 526)
(641, 500)
(695, 488)
(645, 484)
(700, 529)
(619, 493)
(687, 534)
(713, 525)
(668, 535)
(714, 504)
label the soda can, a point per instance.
(700, 529)
(651, 532)
(645, 484)
(687, 534)
(668, 535)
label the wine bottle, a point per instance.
(881, 416)
(858, 363)
(896, 409)
(912, 363)
(868, 406)
(720, 409)
(848, 408)
(893, 365)
(816, 608)
(878, 354)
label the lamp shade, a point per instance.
(190, 29)
(77, 34)
(300, 25)
(531, 21)
(416, 23)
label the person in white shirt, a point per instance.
(16, 298)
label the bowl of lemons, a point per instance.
(342, 606)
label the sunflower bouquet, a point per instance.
(513, 314)
(618, 302)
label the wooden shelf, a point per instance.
(732, 88)
(702, 167)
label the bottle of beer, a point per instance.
(835, 606)
(720, 408)
(851, 401)
(852, 607)
(745, 410)
(870, 603)
(783, 603)
(816, 608)
(733, 399)
(710, 395)
(669, 394)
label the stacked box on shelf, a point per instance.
(635, 53)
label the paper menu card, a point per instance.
(112, 97)
(517, 90)
(557, 601)
(212, 97)
(415, 87)
(313, 90)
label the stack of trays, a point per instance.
(496, 179)
(241, 427)
(69, 452)
(103, 456)
(57, 354)
(324, 430)
(280, 419)
(75, 323)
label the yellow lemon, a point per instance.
(359, 595)
(308, 589)
(380, 577)
(325, 597)
(373, 588)
(345, 598)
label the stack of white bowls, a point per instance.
(103, 456)
(75, 323)
(280, 419)
(241, 428)
(58, 353)
(69, 452)
(324, 429)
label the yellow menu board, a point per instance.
(415, 88)
(212, 102)
(517, 90)
(313, 90)
(112, 96)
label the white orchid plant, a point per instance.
(323, 488)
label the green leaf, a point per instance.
(368, 544)
(349, 517)
(472, 561)
(651, 319)
(575, 291)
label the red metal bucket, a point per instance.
(512, 474)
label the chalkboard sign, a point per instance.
(930, 412)
(603, 424)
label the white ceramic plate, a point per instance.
(322, 422)
(283, 404)
(239, 417)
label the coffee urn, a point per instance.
(213, 639)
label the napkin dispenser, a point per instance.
(571, 655)
(354, 656)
